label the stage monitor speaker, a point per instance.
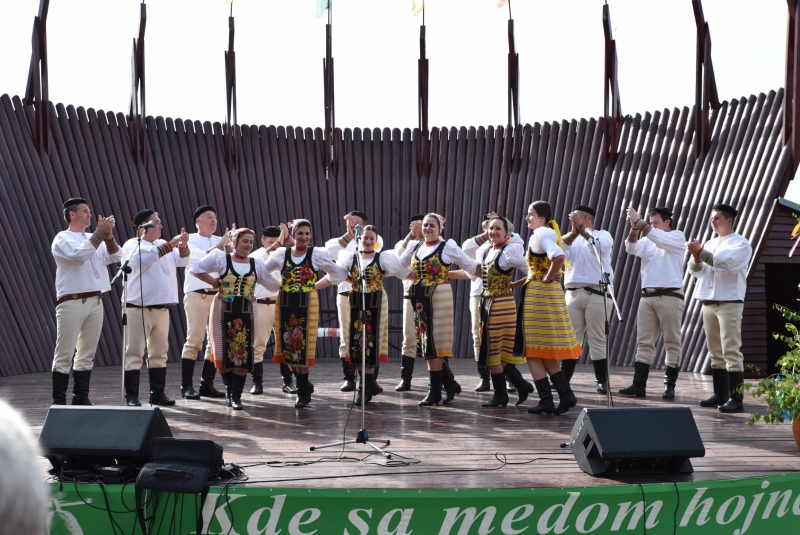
(629, 441)
(101, 433)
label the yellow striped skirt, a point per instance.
(544, 330)
(499, 329)
(435, 333)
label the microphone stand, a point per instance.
(123, 271)
(362, 437)
(608, 290)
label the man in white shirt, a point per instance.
(585, 300)
(720, 267)
(661, 249)
(409, 349)
(265, 301)
(197, 300)
(152, 290)
(81, 279)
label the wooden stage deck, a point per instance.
(456, 446)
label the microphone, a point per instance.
(149, 224)
(359, 230)
(590, 232)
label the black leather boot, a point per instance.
(510, 387)
(258, 379)
(80, 387)
(378, 388)
(434, 390)
(349, 376)
(719, 378)
(451, 386)
(158, 379)
(566, 398)
(670, 378)
(187, 376)
(237, 387)
(500, 397)
(406, 371)
(286, 373)
(638, 389)
(207, 389)
(600, 376)
(226, 380)
(485, 383)
(370, 388)
(546, 404)
(60, 385)
(304, 390)
(568, 368)
(132, 388)
(523, 387)
(734, 404)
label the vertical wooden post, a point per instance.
(231, 130)
(706, 96)
(330, 107)
(37, 92)
(137, 112)
(423, 151)
(513, 97)
(612, 109)
(791, 109)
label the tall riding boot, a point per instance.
(349, 376)
(207, 389)
(131, 381)
(546, 404)
(60, 385)
(158, 378)
(600, 376)
(286, 373)
(640, 372)
(670, 378)
(734, 404)
(258, 379)
(187, 375)
(500, 398)
(370, 387)
(304, 389)
(226, 380)
(434, 390)
(80, 387)
(510, 387)
(719, 377)
(450, 384)
(378, 388)
(237, 387)
(566, 398)
(406, 371)
(568, 367)
(523, 387)
(484, 385)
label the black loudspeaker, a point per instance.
(101, 433)
(633, 441)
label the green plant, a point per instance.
(781, 391)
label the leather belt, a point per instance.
(149, 307)
(587, 289)
(73, 297)
(708, 303)
(345, 294)
(204, 292)
(657, 292)
(266, 301)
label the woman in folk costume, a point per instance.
(432, 299)
(377, 266)
(498, 256)
(297, 307)
(234, 316)
(544, 332)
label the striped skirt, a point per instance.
(296, 323)
(433, 320)
(498, 330)
(544, 330)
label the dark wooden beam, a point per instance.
(231, 130)
(612, 108)
(791, 110)
(37, 92)
(706, 96)
(137, 112)
(330, 106)
(423, 150)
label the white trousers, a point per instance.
(723, 326)
(588, 319)
(409, 336)
(475, 317)
(656, 316)
(266, 323)
(198, 310)
(79, 323)
(155, 331)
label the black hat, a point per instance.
(271, 232)
(73, 201)
(727, 208)
(588, 209)
(142, 216)
(663, 211)
(203, 209)
(416, 217)
(358, 213)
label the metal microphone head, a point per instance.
(359, 230)
(149, 224)
(590, 232)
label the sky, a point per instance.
(280, 46)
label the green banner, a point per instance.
(730, 507)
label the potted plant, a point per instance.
(780, 392)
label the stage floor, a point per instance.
(446, 447)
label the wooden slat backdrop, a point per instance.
(282, 177)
